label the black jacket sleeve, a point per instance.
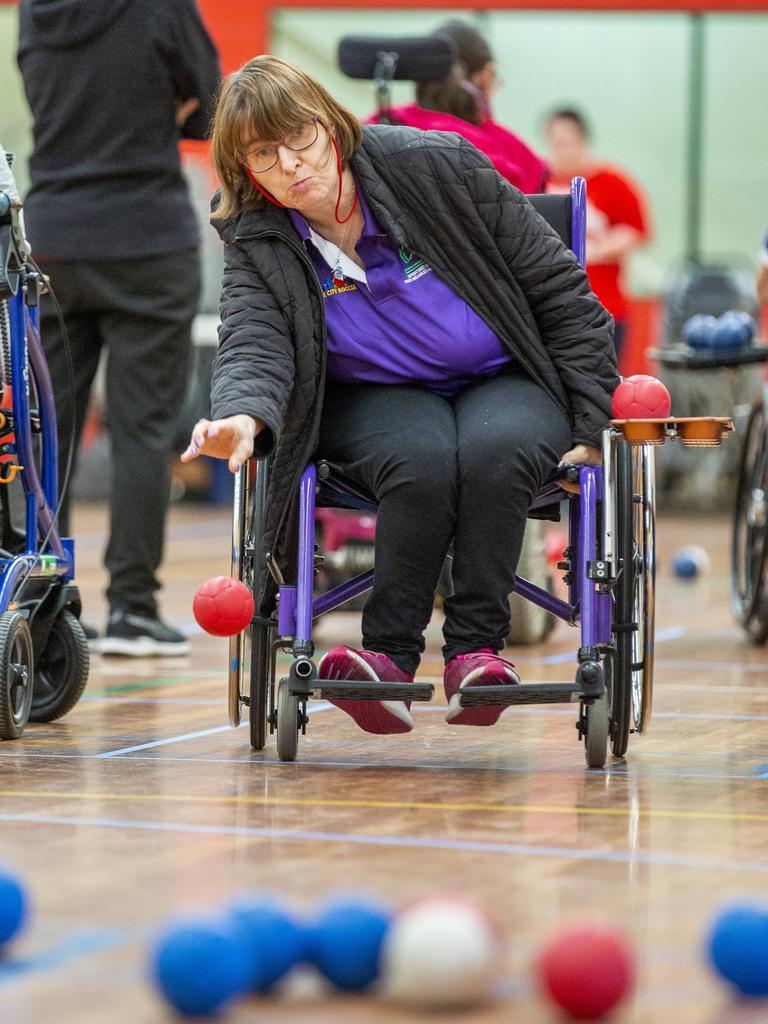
(575, 327)
(192, 60)
(254, 368)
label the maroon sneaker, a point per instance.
(480, 668)
(377, 716)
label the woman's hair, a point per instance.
(472, 49)
(450, 96)
(265, 100)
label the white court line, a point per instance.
(311, 710)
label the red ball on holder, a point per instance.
(641, 397)
(223, 606)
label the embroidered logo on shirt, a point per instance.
(329, 288)
(413, 266)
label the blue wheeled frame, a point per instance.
(608, 567)
(43, 674)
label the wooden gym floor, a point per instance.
(142, 802)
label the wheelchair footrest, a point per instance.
(525, 693)
(355, 689)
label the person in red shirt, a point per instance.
(617, 221)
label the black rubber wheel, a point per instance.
(17, 668)
(261, 678)
(633, 613)
(749, 535)
(61, 671)
(259, 635)
(597, 723)
(287, 723)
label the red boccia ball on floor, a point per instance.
(641, 397)
(587, 970)
(223, 606)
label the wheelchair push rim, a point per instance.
(749, 537)
(632, 656)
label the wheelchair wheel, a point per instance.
(287, 723)
(260, 635)
(596, 723)
(16, 674)
(634, 605)
(61, 671)
(749, 536)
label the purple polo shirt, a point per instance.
(405, 326)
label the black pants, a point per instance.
(142, 311)
(464, 468)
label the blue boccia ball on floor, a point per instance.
(13, 906)
(698, 331)
(345, 941)
(690, 562)
(274, 940)
(199, 965)
(738, 948)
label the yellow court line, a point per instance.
(404, 805)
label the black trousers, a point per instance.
(141, 310)
(464, 468)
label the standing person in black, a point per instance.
(112, 85)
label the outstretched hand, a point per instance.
(230, 438)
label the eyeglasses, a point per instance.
(265, 157)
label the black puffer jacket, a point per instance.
(436, 195)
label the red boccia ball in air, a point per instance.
(223, 606)
(586, 970)
(641, 398)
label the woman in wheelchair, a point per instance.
(394, 306)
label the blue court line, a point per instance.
(83, 943)
(555, 659)
(412, 842)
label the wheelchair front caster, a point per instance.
(16, 674)
(288, 722)
(595, 720)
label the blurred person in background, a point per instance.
(446, 105)
(113, 85)
(482, 81)
(617, 219)
(761, 282)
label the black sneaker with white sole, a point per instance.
(142, 636)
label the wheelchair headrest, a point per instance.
(416, 58)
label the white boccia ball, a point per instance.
(443, 952)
